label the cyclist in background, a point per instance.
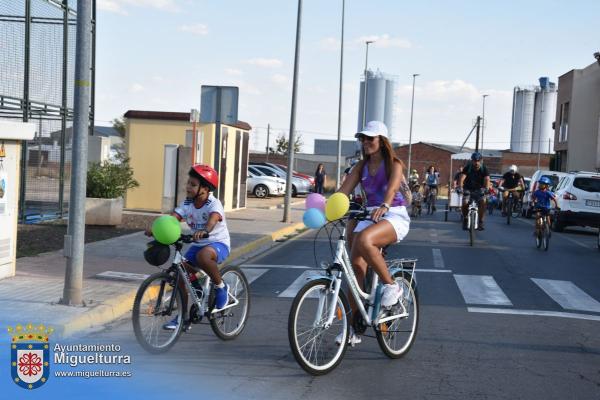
(511, 181)
(413, 179)
(431, 182)
(541, 199)
(474, 178)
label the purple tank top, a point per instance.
(376, 186)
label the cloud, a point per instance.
(196, 29)
(386, 41)
(136, 88)
(233, 71)
(330, 44)
(118, 6)
(265, 62)
(279, 79)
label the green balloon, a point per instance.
(166, 229)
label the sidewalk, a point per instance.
(113, 270)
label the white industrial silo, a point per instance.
(522, 127)
(376, 98)
(388, 119)
(545, 110)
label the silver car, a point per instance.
(299, 185)
(264, 186)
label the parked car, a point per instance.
(283, 168)
(299, 185)
(552, 175)
(263, 186)
(578, 197)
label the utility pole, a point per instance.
(364, 116)
(268, 133)
(74, 239)
(339, 136)
(483, 120)
(288, 185)
(412, 106)
(477, 133)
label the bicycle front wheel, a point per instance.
(396, 337)
(546, 237)
(318, 349)
(472, 229)
(151, 310)
(229, 323)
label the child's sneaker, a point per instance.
(172, 325)
(221, 296)
(391, 294)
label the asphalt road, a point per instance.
(500, 320)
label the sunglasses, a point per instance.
(362, 138)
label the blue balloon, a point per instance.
(314, 218)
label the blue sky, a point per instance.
(155, 55)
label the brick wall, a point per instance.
(527, 162)
(423, 156)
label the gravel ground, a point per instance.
(49, 236)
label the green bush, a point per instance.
(110, 181)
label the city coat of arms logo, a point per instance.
(30, 355)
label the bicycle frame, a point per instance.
(342, 269)
(201, 303)
(473, 213)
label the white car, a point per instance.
(552, 175)
(299, 185)
(265, 186)
(578, 197)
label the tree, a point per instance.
(119, 125)
(281, 144)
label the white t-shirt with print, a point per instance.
(197, 218)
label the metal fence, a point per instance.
(37, 73)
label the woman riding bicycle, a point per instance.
(381, 176)
(431, 182)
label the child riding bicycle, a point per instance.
(541, 202)
(417, 200)
(205, 215)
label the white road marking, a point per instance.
(275, 266)
(539, 313)
(438, 260)
(121, 276)
(434, 270)
(253, 274)
(300, 281)
(481, 289)
(568, 295)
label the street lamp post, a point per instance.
(483, 120)
(412, 106)
(291, 140)
(364, 116)
(339, 133)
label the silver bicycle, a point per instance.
(318, 324)
(472, 215)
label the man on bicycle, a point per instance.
(475, 178)
(511, 181)
(541, 199)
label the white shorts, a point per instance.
(397, 216)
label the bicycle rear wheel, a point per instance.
(509, 207)
(396, 337)
(314, 346)
(151, 312)
(229, 323)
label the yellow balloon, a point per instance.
(337, 206)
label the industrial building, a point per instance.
(380, 101)
(532, 117)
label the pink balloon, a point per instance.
(315, 200)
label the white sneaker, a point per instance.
(353, 338)
(391, 294)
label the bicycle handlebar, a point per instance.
(190, 238)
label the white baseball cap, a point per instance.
(373, 128)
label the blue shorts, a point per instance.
(221, 250)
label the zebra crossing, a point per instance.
(480, 293)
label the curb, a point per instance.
(116, 307)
